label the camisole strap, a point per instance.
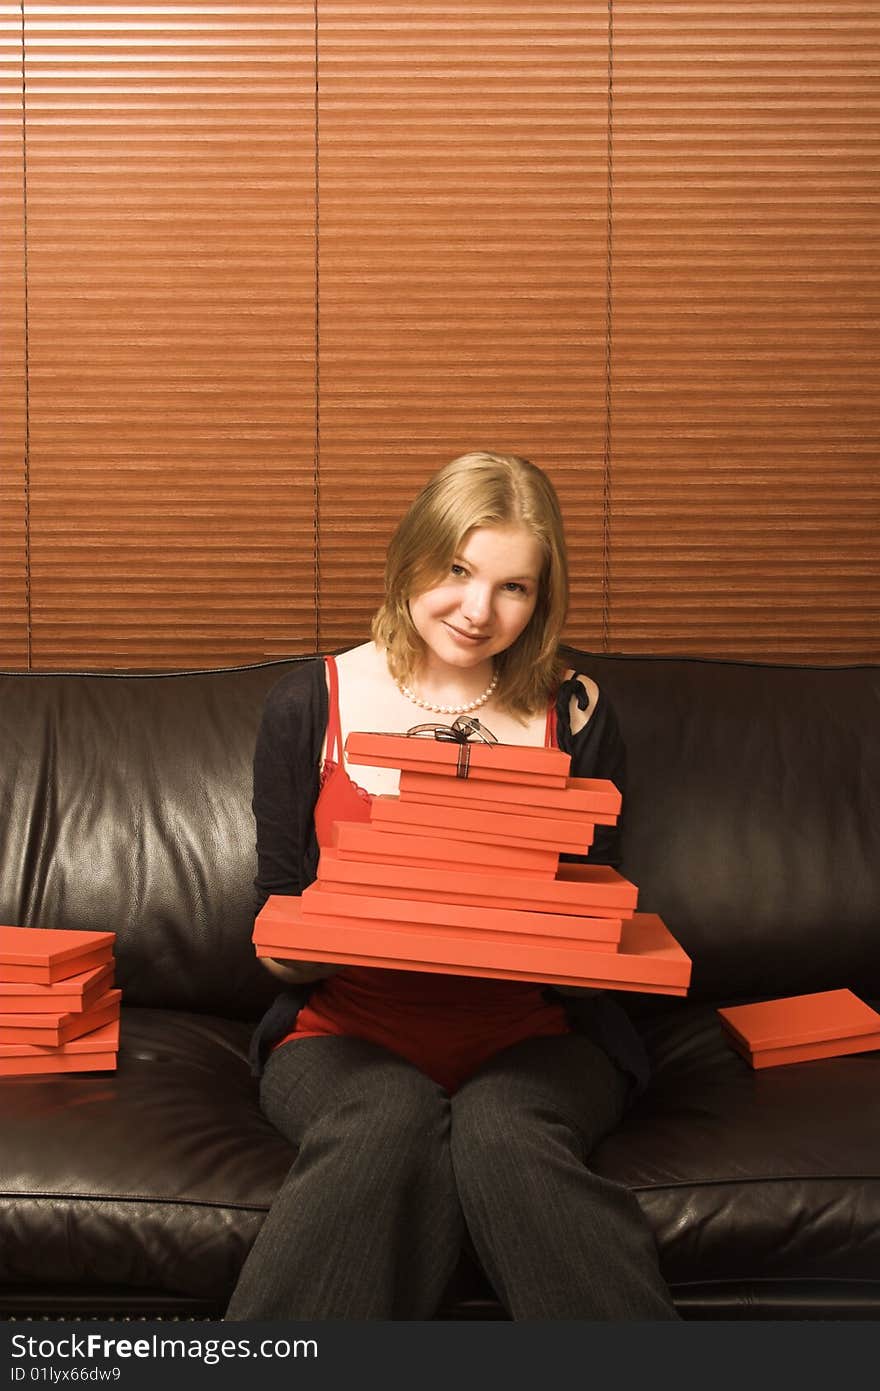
(550, 727)
(334, 724)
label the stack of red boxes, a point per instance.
(460, 873)
(59, 1011)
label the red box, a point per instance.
(801, 1028)
(492, 827)
(649, 960)
(497, 762)
(52, 1030)
(357, 840)
(43, 955)
(72, 994)
(590, 799)
(597, 795)
(600, 885)
(93, 1052)
(326, 900)
(475, 887)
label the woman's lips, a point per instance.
(470, 638)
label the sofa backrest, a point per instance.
(752, 820)
(125, 806)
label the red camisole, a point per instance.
(446, 1025)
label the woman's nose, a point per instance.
(476, 605)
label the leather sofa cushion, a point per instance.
(752, 1175)
(155, 1176)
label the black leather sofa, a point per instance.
(752, 826)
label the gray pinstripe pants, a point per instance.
(390, 1169)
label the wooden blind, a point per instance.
(13, 444)
(171, 270)
(462, 241)
(265, 267)
(745, 401)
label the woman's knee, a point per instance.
(527, 1100)
(390, 1105)
(488, 1141)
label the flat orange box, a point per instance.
(499, 762)
(93, 1052)
(52, 1030)
(72, 994)
(43, 955)
(478, 888)
(599, 884)
(649, 960)
(324, 899)
(494, 828)
(595, 799)
(355, 839)
(801, 1028)
(598, 792)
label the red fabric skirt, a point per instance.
(446, 1025)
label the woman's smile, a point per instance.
(465, 637)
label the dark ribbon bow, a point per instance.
(460, 732)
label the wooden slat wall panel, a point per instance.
(175, 314)
(462, 269)
(13, 577)
(745, 405)
(171, 287)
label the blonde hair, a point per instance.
(476, 490)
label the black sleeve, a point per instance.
(597, 751)
(286, 777)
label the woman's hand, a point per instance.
(299, 972)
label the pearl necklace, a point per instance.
(449, 709)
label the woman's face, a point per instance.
(486, 600)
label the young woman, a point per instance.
(429, 1110)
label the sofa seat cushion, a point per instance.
(156, 1176)
(769, 1175)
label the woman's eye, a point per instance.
(456, 569)
(516, 588)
